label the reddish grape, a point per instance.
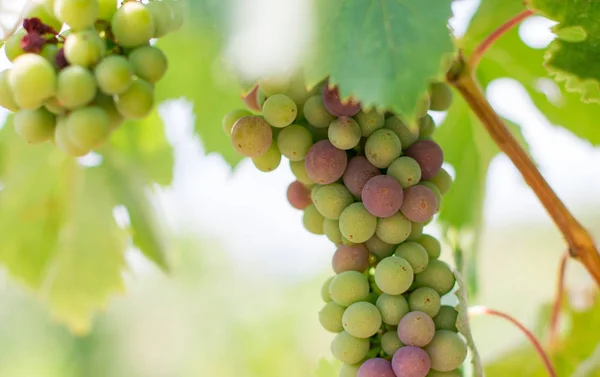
(382, 196)
(334, 104)
(377, 367)
(410, 361)
(298, 195)
(359, 171)
(416, 329)
(325, 163)
(419, 204)
(350, 258)
(429, 155)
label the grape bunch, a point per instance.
(370, 182)
(80, 68)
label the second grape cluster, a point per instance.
(370, 182)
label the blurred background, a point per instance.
(243, 294)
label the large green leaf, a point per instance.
(572, 57)
(382, 52)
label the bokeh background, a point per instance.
(243, 294)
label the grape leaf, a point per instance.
(576, 346)
(385, 53)
(573, 55)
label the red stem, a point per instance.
(558, 300)
(477, 310)
(486, 43)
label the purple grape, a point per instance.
(325, 163)
(419, 204)
(416, 329)
(429, 155)
(334, 104)
(382, 196)
(410, 361)
(376, 368)
(298, 195)
(350, 258)
(359, 171)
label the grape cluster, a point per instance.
(370, 182)
(80, 68)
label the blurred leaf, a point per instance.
(572, 57)
(385, 53)
(579, 344)
(511, 57)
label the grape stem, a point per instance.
(482, 310)
(558, 301)
(581, 245)
(478, 53)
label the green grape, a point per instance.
(390, 342)
(49, 5)
(298, 91)
(132, 25)
(269, 160)
(271, 86)
(332, 199)
(416, 329)
(330, 317)
(441, 96)
(316, 113)
(372, 298)
(39, 10)
(392, 308)
(84, 48)
(137, 101)
(406, 170)
(416, 232)
(379, 248)
(332, 231)
(325, 289)
(347, 242)
(76, 87)
(447, 351)
(425, 300)
(78, 14)
(64, 143)
(348, 370)
(442, 180)
(394, 229)
(88, 127)
(438, 275)
(49, 53)
(432, 245)
(446, 318)
(423, 106)
(53, 106)
(344, 133)
(162, 14)
(426, 127)
(35, 126)
(436, 192)
(7, 99)
(415, 254)
(349, 349)
(280, 111)
(32, 80)
(357, 224)
(393, 275)
(149, 63)
(318, 133)
(382, 148)
(408, 134)
(369, 121)
(299, 170)
(294, 142)
(178, 14)
(12, 47)
(232, 117)
(108, 105)
(107, 9)
(313, 191)
(313, 220)
(361, 319)
(114, 75)
(349, 287)
(452, 373)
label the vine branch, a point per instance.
(461, 76)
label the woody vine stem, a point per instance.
(462, 77)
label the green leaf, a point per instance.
(572, 57)
(385, 52)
